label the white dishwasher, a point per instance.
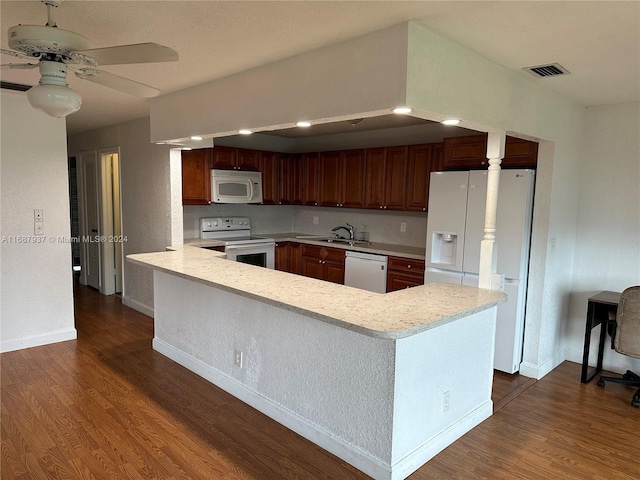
(366, 271)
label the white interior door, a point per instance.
(90, 211)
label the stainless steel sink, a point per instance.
(344, 241)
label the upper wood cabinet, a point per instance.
(311, 178)
(470, 153)
(331, 179)
(229, 158)
(385, 178)
(342, 179)
(419, 167)
(196, 177)
(519, 153)
(353, 178)
(270, 168)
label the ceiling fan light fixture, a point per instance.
(55, 100)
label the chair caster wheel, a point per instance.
(601, 383)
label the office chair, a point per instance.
(627, 338)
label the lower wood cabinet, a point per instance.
(404, 273)
(323, 263)
(287, 257)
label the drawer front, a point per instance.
(407, 265)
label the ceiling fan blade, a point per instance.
(136, 53)
(19, 87)
(14, 53)
(116, 82)
(19, 65)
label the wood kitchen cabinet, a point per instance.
(331, 179)
(404, 273)
(270, 168)
(291, 178)
(342, 179)
(281, 260)
(287, 257)
(385, 179)
(311, 178)
(196, 177)
(229, 158)
(353, 178)
(322, 263)
(470, 153)
(419, 168)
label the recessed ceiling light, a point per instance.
(303, 124)
(196, 137)
(161, 143)
(402, 110)
(186, 148)
(450, 121)
(244, 131)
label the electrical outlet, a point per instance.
(38, 216)
(403, 227)
(316, 220)
(446, 401)
(38, 228)
(238, 358)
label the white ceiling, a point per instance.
(598, 42)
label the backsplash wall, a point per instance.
(383, 227)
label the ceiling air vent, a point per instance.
(550, 70)
(15, 86)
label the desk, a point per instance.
(597, 314)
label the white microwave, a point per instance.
(234, 186)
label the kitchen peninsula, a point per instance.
(383, 381)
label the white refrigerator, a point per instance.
(455, 227)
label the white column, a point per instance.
(488, 246)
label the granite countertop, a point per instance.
(393, 315)
(371, 247)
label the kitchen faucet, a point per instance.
(348, 228)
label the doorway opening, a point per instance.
(100, 220)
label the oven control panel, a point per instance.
(224, 223)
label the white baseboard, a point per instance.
(37, 341)
(538, 371)
(349, 453)
(612, 361)
(425, 452)
(140, 307)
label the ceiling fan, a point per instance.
(56, 50)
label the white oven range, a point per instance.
(239, 244)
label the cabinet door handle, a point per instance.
(408, 266)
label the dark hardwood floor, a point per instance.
(107, 406)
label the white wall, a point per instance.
(36, 287)
(146, 189)
(608, 236)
